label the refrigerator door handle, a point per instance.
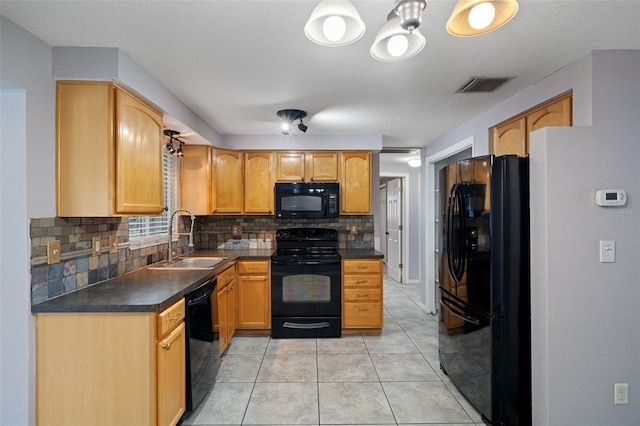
(448, 249)
(451, 306)
(460, 255)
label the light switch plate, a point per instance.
(607, 251)
(113, 243)
(97, 246)
(236, 229)
(53, 252)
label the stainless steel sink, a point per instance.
(191, 263)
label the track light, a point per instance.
(288, 116)
(302, 127)
(170, 145)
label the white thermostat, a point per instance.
(611, 197)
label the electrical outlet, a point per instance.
(53, 252)
(97, 246)
(113, 243)
(620, 393)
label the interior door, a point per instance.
(383, 222)
(394, 229)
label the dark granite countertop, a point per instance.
(151, 290)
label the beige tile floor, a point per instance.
(391, 379)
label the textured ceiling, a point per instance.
(235, 63)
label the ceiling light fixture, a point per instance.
(334, 23)
(394, 44)
(170, 145)
(475, 17)
(414, 162)
(288, 116)
(410, 13)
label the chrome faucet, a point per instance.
(193, 218)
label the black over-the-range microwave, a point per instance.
(307, 200)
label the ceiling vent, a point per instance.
(482, 84)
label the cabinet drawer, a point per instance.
(253, 267)
(362, 315)
(362, 281)
(362, 267)
(170, 317)
(226, 276)
(363, 294)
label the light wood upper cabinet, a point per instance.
(355, 182)
(108, 152)
(512, 137)
(196, 174)
(316, 166)
(228, 181)
(258, 182)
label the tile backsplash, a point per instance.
(79, 268)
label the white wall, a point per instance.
(584, 314)
(413, 200)
(17, 391)
(586, 311)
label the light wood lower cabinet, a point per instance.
(226, 306)
(254, 295)
(362, 294)
(110, 368)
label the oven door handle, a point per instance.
(305, 262)
(308, 326)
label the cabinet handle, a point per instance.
(363, 295)
(362, 281)
(166, 346)
(176, 318)
(363, 309)
(363, 267)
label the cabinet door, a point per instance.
(195, 179)
(355, 183)
(254, 302)
(556, 113)
(290, 166)
(228, 181)
(223, 318)
(511, 138)
(232, 309)
(258, 182)
(321, 166)
(171, 377)
(138, 151)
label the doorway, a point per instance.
(392, 225)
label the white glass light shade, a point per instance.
(414, 162)
(397, 45)
(380, 47)
(459, 25)
(323, 27)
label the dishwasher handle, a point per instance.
(202, 292)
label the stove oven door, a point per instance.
(306, 299)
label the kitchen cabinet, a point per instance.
(316, 166)
(211, 180)
(355, 182)
(108, 368)
(362, 294)
(196, 189)
(108, 152)
(512, 136)
(254, 295)
(226, 306)
(258, 182)
(228, 181)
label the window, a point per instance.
(150, 230)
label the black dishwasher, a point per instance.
(203, 352)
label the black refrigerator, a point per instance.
(484, 337)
